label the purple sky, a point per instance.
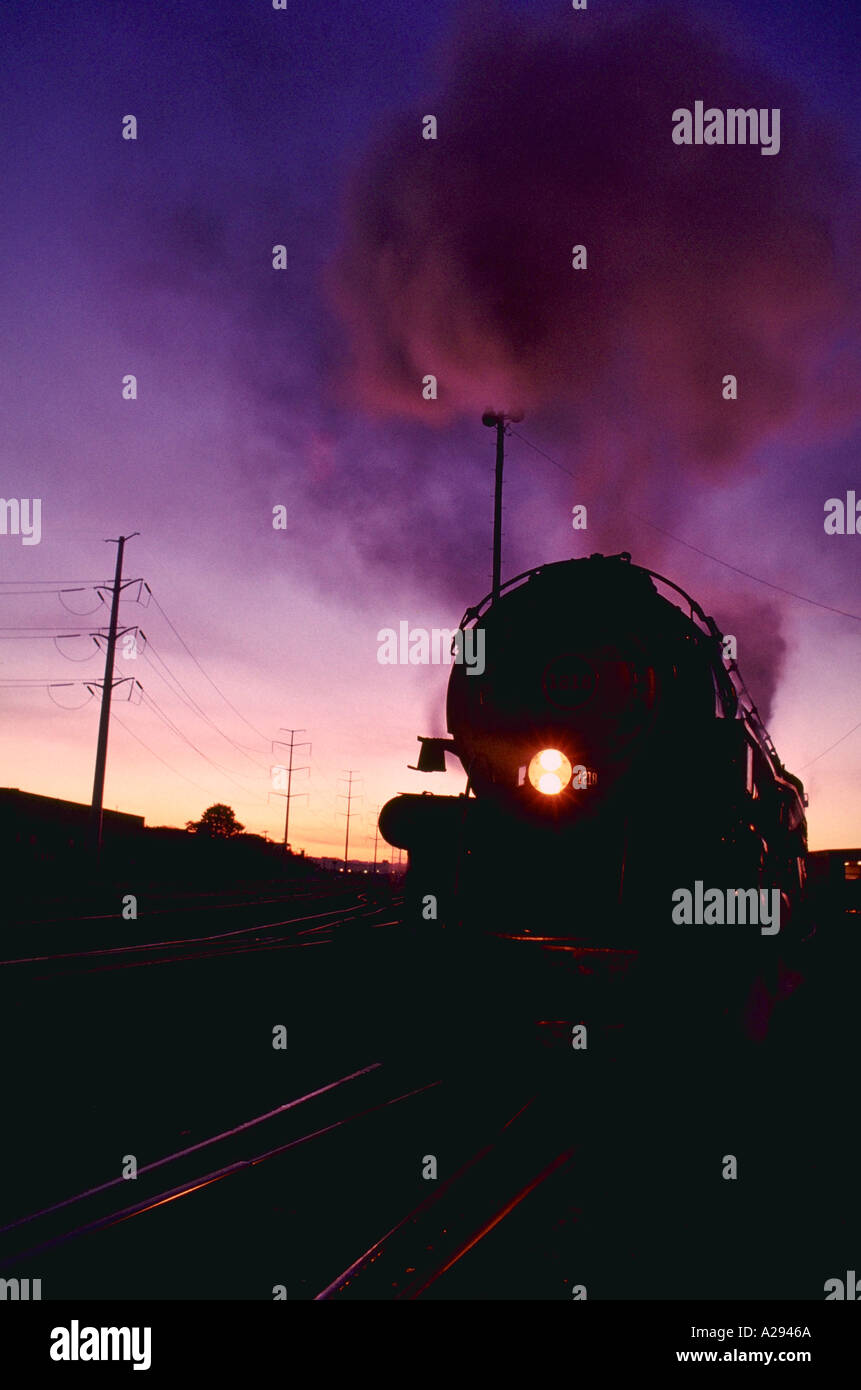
(302, 387)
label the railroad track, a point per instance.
(547, 1177)
(35, 1233)
(232, 1187)
(538, 1191)
(252, 937)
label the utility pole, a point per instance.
(348, 796)
(107, 687)
(290, 771)
(376, 836)
(500, 423)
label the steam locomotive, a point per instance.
(614, 759)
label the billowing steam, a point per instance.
(703, 261)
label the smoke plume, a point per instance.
(702, 261)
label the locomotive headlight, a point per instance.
(549, 771)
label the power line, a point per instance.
(162, 760)
(74, 611)
(62, 635)
(59, 630)
(87, 583)
(189, 700)
(156, 708)
(791, 593)
(57, 593)
(315, 768)
(856, 617)
(153, 704)
(54, 593)
(828, 749)
(203, 672)
(21, 682)
(50, 686)
(70, 709)
(77, 660)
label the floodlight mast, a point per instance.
(499, 421)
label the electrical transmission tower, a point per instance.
(107, 687)
(349, 796)
(290, 770)
(376, 835)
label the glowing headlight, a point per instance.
(549, 771)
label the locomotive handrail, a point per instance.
(729, 694)
(709, 623)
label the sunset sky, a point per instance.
(302, 387)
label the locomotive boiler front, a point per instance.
(586, 671)
(611, 760)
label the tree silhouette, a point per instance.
(218, 821)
